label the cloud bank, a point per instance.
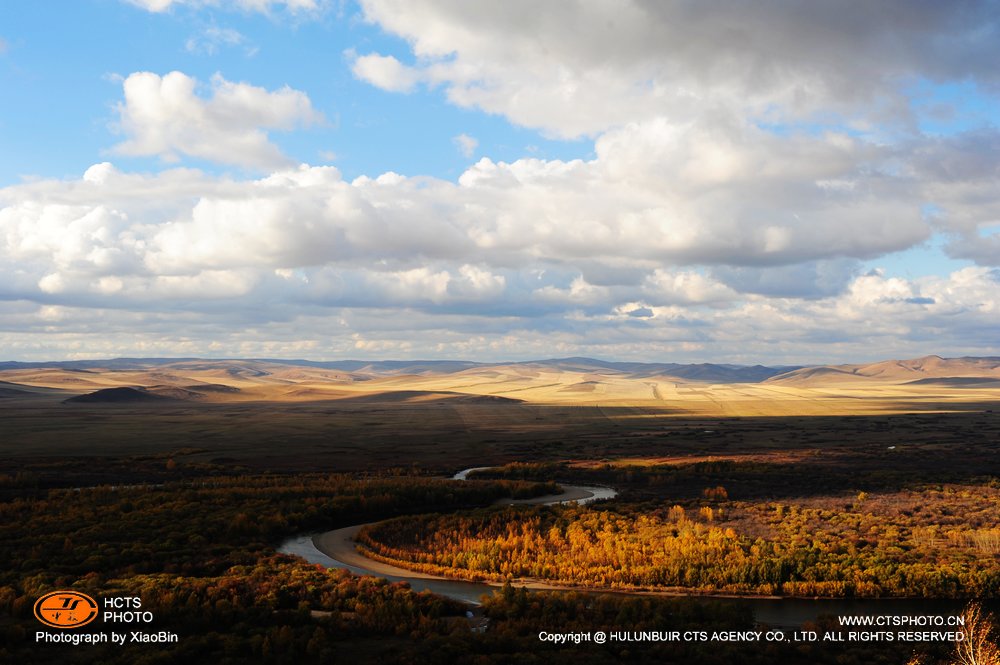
(746, 164)
(580, 68)
(520, 251)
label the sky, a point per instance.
(780, 182)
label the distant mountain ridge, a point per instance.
(706, 372)
(928, 369)
(918, 369)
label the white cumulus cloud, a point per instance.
(166, 117)
(386, 72)
(580, 67)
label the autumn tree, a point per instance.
(976, 646)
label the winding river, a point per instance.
(335, 549)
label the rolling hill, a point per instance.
(712, 390)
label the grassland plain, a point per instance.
(899, 460)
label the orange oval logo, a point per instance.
(65, 609)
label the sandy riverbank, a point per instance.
(339, 544)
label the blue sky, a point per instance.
(451, 180)
(66, 79)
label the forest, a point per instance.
(925, 541)
(200, 553)
(195, 535)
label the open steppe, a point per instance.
(200, 469)
(714, 391)
(290, 416)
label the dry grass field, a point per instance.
(927, 384)
(270, 415)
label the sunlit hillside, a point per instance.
(926, 384)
